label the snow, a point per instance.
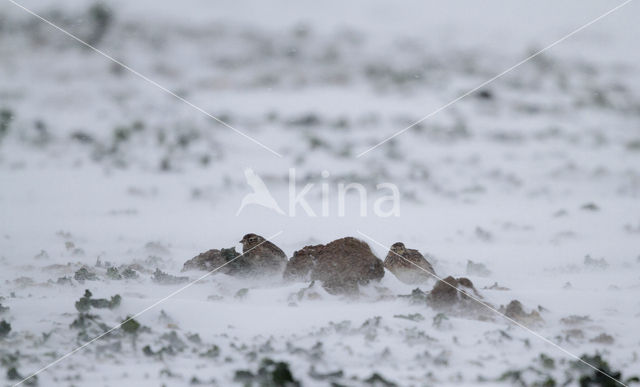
(505, 182)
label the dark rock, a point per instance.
(270, 373)
(85, 275)
(82, 137)
(13, 374)
(516, 312)
(603, 375)
(450, 291)
(86, 302)
(243, 376)
(603, 338)
(495, 286)
(313, 374)
(377, 380)
(86, 321)
(129, 273)
(167, 279)
(590, 207)
(207, 261)
(5, 328)
(514, 309)
(305, 120)
(485, 94)
(410, 317)
(113, 273)
(212, 352)
(417, 296)
(129, 325)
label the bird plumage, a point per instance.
(260, 257)
(408, 265)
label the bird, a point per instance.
(259, 257)
(300, 266)
(408, 265)
(342, 265)
(260, 195)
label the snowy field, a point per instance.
(529, 187)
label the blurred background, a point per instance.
(528, 175)
(88, 144)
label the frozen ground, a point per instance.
(538, 179)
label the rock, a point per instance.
(129, 273)
(5, 328)
(449, 292)
(516, 312)
(129, 325)
(377, 380)
(590, 207)
(603, 338)
(114, 274)
(167, 279)
(575, 320)
(341, 265)
(271, 373)
(514, 309)
(485, 94)
(411, 317)
(495, 286)
(417, 296)
(86, 302)
(459, 297)
(315, 375)
(408, 265)
(85, 275)
(212, 260)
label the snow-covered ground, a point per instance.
(537, 178)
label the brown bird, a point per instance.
(259, 257)
(301, 265)
(341, 265)
(346, 263)
(403, 262)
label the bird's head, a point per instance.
(251, 240)
(398, 248)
